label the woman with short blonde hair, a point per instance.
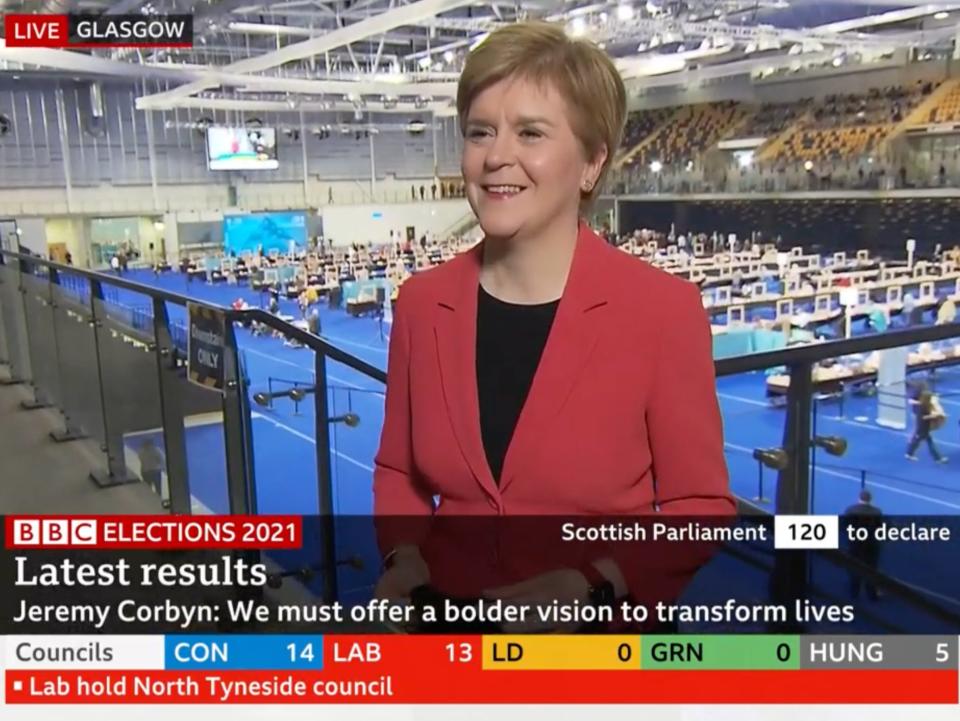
(543, 372)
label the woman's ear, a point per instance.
(591, 172)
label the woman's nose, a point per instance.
(501, 151)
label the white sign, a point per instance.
(848, 297)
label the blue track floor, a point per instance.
(284, 440)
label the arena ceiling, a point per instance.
(399, 56)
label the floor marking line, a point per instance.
(307, 438)
(340, 339)
(872, 427)
(302, 368)
(741, 399)
(274, 358)
(856, 479)
(839, 419)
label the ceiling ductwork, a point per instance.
(313, 50)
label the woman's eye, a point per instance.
(476, 133)
(530, 134)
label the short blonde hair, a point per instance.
(581, 72)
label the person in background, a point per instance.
(115, 264)
(863, 514)
(274, 306)
(313, 321)
(947, 311)
(909, 309)
(736, 283)
(929, 417)
(151, 464)
(68, 258)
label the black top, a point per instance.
(510, 342)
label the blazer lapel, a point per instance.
(456, 332)
(572, 340)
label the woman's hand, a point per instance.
(565, 586)
(407, 571)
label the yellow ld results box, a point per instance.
(561, 653)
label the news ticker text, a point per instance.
(163, 574)
(312, 669)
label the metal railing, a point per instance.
(57, 334)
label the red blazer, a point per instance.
(622, 417)
(621, 420)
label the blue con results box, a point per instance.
(282, 232)
(248, 653)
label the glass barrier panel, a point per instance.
(864, 414)
(884, 435)
(4, 348)
(753, 409)
(202, 411)
(281, 396)
(14, 322)
(128, 362)
(81, 395)
(41, 338)
(283, 420)
(356, 404)
(884, 422)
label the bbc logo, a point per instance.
(55, 532)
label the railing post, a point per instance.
(791, 568)
(328, 547)
(171, 413)
(238, 438)
(40, 399)
(70, 432)
(116, 466)
(5, 359)
(793, 487)
(241, 489)
(14, 325)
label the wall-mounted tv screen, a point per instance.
(242, 148)
(282, 232)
